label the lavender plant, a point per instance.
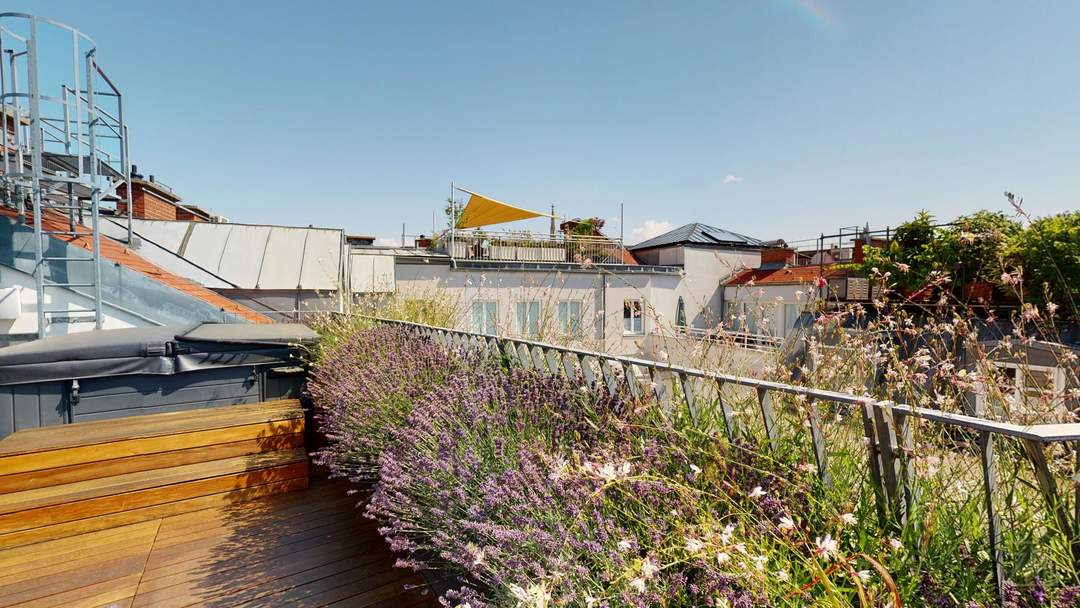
(364, 388)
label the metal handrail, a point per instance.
(1046, 433)
(886, 424)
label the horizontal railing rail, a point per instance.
(886, 424)
(742, 338)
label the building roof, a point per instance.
(244, 256)
(127, 258)
(699, 234)
(792, 275)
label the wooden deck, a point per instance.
(305, 548)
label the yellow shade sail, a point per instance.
(484, 211)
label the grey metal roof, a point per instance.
(245, 256)
(698, 234)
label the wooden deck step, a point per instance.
(76, 478)
(128, 485)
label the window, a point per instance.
(485, 317)
(680, 314)
(631, 317)
(528, 318)
(746, 317)
(1033, 388)
(1033, 383)
(570, 317)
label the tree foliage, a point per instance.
(1048, 255)
(986, 247)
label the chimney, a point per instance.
(777, 257)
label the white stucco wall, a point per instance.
(601, 295)
(775, 303)
(706, 270)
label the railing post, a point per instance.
(523, 355)
(568, 365)
(1048, 487)
(768, 416)
(586, 370)
(907, 469)
(890, 463)
(686, 385)
(873, 451)
(538, 358)
(632, 380)
(993, 522)
(726, 413)
(659, 388)
(818, 442)
(609, 376)
(553, 363)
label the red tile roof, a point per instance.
(795, 275)
(116, 252)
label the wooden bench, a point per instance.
(64, 480)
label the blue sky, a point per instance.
(774, 118)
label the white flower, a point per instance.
(864, 575)
(590, 601)
(848, 519)
(725, 534)
(519, 594)
(786, 524)
(782, 575)
(624, 545)
(536, 596)
(476, 553)
(826, 548)
(649, 568)
(722, 557)
(895, 544)
(757, 492)
(693, 545)
(609, 472)
(696, 470)
(638, 584)
(759, 562)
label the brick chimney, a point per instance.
(777, 257)
(152, 200)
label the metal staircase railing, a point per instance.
(64, 155)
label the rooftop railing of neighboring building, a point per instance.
(527, 247)
(753, 341)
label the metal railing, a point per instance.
(523, 247)
(886, 425)
(740, 338)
